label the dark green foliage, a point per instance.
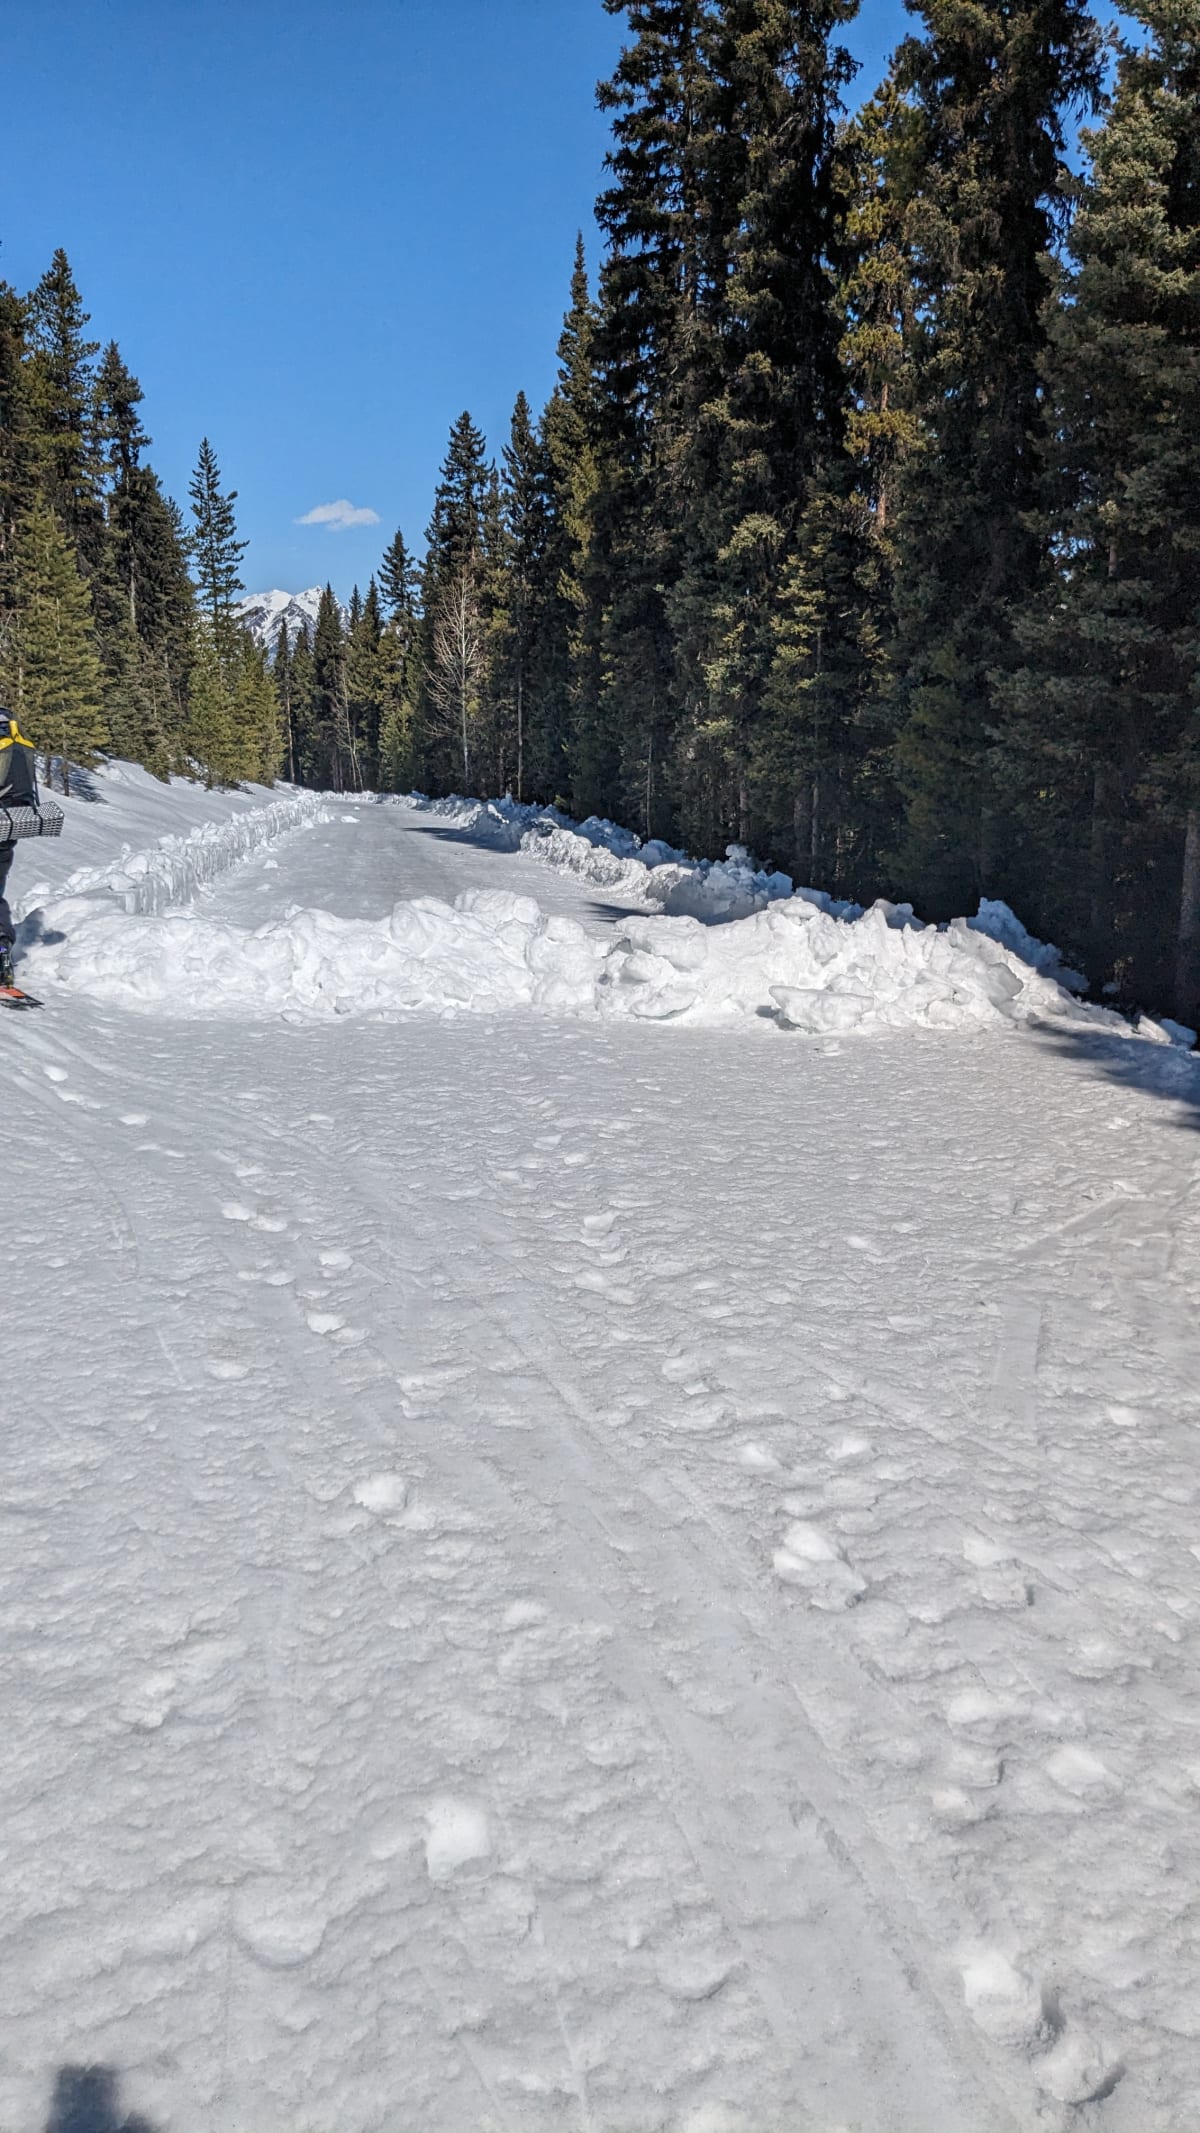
(216, 550)
(1103, 710)
(989, 85)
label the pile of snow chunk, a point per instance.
(792, 964)
(1001, 923)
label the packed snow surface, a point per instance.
(576, 1571)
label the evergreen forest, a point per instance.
(860, 526)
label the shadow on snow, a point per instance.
(87, 2099)
(1147, 1069)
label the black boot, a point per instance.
(6, 965)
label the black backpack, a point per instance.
(18, 768)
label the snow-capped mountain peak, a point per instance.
(265, 613)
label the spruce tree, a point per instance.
(254, 711)
(454, 539)
(211, 735)
(526, 532)
(19, 454)
(365, 684)
(53, 677)
(216, 550)
(769, 424)
(652, 284)
(1104, 712)
(399, 580)
(989, 85)
(310, 766)
(462, 530)
(61, 385)
(333, 740)
(565, 733)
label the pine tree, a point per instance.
(19, 455)
(254, 714)
(565, 734)
(310, 766)
(216, 551)
(212, 740)
(61, 390)
(651, 289)
(365, 684)
(1105, 711)
(53, 677)
(876, 300)
(526, 532)
(455, 535)
(769, 423)
(989, 85)
(333, 741)
(399, 580)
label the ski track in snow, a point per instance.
(602, 1577)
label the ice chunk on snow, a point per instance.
(1000, 923)
(1004, 2002)
(456, 1831)
(811, 1560)
(1077, 2070)
(382, 1494)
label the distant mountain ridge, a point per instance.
(265, 614)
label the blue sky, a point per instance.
(317, 231)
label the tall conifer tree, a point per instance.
(990, 84)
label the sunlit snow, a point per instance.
(599, 1507)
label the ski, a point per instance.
(12, 996)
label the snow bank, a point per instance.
(608, 857)
(171, 871)
(1001, 924)
(792, 964)
(118, 808)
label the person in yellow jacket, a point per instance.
(18, 788)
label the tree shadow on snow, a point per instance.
(1150, 1069)
(452, 833)
(448, 834)
(87, 2099)
(83, 783)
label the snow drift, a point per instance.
(490, 952)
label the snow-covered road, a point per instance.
(571, 1577)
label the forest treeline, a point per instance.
(860, 525)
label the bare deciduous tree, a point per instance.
(459, 658)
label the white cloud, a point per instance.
(339, 516)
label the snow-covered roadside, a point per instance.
(209, 833)
(715, 890)
(606, 856)
(793, 964)
(117, 808)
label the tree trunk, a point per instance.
(520, 733)
(1099, 871)
(802, 830)
(1187, 961)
